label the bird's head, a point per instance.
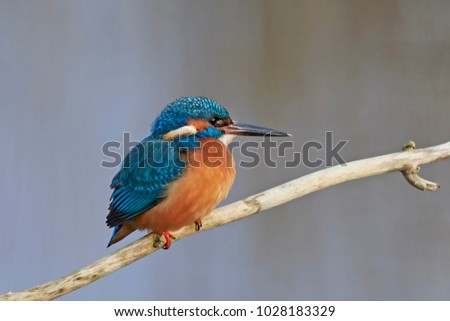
(203, 118)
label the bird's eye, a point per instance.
(217, 122)
(213, 121)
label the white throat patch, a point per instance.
(227, 138)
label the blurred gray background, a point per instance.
(76, 74)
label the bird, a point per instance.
(180, 172)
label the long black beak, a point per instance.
(252, 130)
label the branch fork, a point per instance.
(411, 172)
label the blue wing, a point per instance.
(142, 181)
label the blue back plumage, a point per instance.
(141, 183)
(151, 165)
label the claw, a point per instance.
(169, 237)
(198, 224)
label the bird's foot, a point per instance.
(198, 225)
(169, 237)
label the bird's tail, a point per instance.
(121, 231)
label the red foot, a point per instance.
(198, 224)
(169, 237)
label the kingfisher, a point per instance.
(180, 172)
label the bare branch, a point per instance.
(406, 162)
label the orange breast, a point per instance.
(205, 182)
